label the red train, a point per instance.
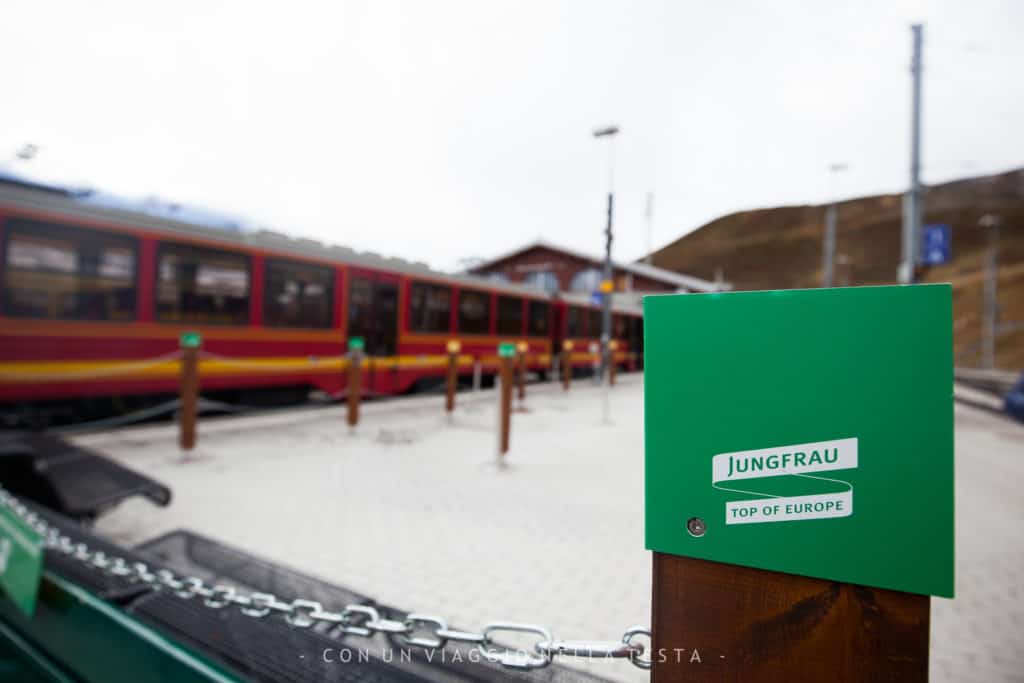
(94, 299)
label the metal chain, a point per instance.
(416, 630)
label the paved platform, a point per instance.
(412, 509)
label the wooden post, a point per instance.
(612, 347)
(722, 622)
(505, 420)
(355, 386)
(452, 380)
(189, 395)
(521, 349)
(566, 364)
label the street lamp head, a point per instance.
(835, 168)
(606, 131)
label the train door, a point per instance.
(373, 311)
(636, 340)
(373, 315)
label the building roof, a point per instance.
(670, 277)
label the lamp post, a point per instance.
(608, 132)
(912, 207)
(990, 222)
(831, 218)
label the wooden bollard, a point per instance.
(521, 350)
(721, 622)
(452, 380)
(506, 355)
(355, 379)
(188, 388)
(612, 346)
(566, 364)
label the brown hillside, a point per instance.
(780, 248)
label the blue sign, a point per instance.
(936, 244)
(596, 298)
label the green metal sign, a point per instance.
(190, 340)
(807, 432)
(506, 350)
(21, 561)
(356, 343)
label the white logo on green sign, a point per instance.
(834, 497)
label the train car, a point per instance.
(94, 300)
(578, 322)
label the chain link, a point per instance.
(416, 630)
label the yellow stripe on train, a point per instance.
(30, 372)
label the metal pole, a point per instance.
(912, 206)
(991, 313)
(606, 301)
(831, 219)
(829, 246)
(649, 215)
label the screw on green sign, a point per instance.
(807, 432)
(190, 340)
(506, 350)
(21, 561)
(356, 343)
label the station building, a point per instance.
(557, 269)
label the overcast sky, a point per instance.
(443, 130)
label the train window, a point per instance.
(538, 323)
(297, 294)
(574, 322)
(360, 302)
(429, 307)
(65, 272)
(474, 312)
(197, 285)
(510, 315)
(594, 323)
